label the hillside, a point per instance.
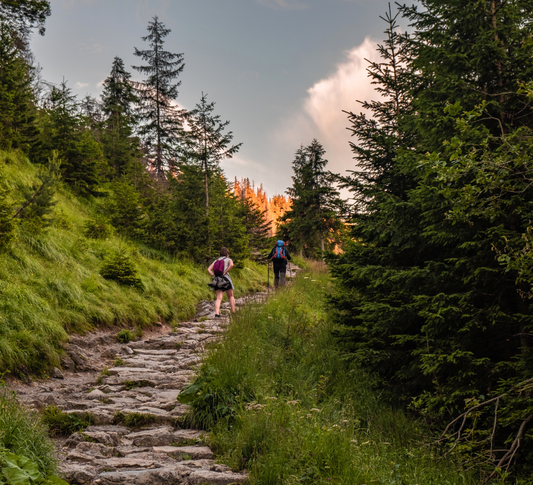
(50, 284)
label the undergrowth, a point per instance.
(25, 448)
(50, 281)
(60, 423)
(282, 403)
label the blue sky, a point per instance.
(281, 71)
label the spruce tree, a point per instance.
(423, 299)
(207, 144)
(17, 118)
(118, 99)
(83, 164)
(161, 121)
(314, 220)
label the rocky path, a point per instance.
(137, 436)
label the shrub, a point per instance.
(125, 336)
(97, 229)
(121, 268)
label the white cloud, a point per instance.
(79, 85)
(321, 114)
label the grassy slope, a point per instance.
(50, 283)
(283, 403)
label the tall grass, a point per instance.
(22, 432)
(283, 403)
(50, 284)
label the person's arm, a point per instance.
(287, 254)
(210, 270)
(229, 267)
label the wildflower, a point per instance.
(309, 415)
(273, 398)
(315, 410)
(335, 426)
(293, 402)
(270, 318)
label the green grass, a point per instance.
(282, 403)
(23, 433)
(64, 424)
(50, 284)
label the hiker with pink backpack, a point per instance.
(221, 283)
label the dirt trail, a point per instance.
(145, 385)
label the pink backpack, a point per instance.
(219, 266)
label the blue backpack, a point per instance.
(279, 250)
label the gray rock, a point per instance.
(108, 439)
(204, 477)
(158, 476)
(96, 394)
(194, 452)
(94, 449)
(152, 437)
(78, 475)
(56, 373)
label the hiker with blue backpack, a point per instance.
(279, 255)
(221, 283)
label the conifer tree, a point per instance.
(17, 119)
(161, 121)
(21, 17)
(207, 144)
(83, 164)
(423, 300)
(118, 98)
(314, 218)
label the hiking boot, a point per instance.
(217, 316)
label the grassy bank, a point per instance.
(283, 404)
(50, 283)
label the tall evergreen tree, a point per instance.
(118, 98)
(422, 298)
(207, 144)
(314, 220)
(161, 121)
(17, 113)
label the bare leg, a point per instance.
(231, 300)
(218, 301)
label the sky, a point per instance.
(281, 71)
